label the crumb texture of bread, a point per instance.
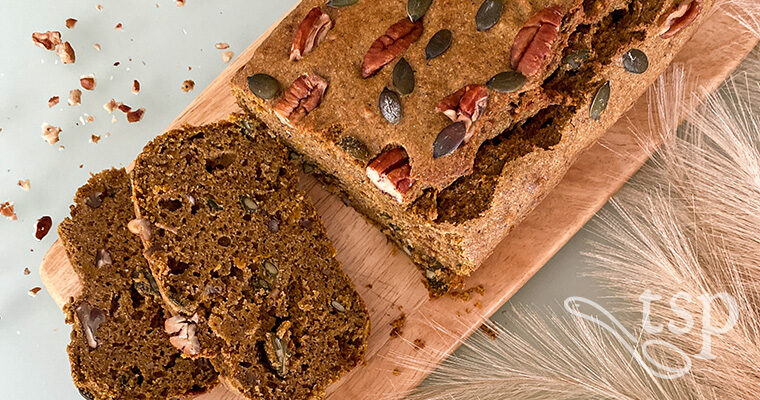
(234, 245)
(118, 348)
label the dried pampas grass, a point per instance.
(688, 225)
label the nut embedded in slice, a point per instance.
(679, 18)
(390, 172)
(534, 41)
(310, 33)
(466, 104)
(395, 41)
(301, 98)
(47, 40)
(50, 133)
(182, 331)
(90, 318)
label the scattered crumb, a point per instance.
(466, 295)
(180, 3)
(227, 56)
(369, 286)
(25, 184)
(419, 344)
(88, 82)
(116, 64)
(123, 107)
(96, 46)
(66, 53)
(42, 227)
(222, 46)
(99, 7)
(94, 139)
(70, 23)
(27, 271)
(33, 291)
(489, 332)
(119, 27)
(53, 101)
(135, 116)
(479, 305)
(75, 97)
(398, 326)
(135, 87)
(110, 106)
(7, 211)
(47, 40)
(396, 372)
(188, 85)
(50, 133)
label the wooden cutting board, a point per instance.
(389, 282)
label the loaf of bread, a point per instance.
(118, 348)
(242, 259)
(446, 122)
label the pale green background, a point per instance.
(161, 43)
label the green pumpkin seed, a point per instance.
(214, 206)
(438, 44)
(489, 14)
(271, 268)
(143, 282)
(416, 9)
(355, 148)
(264, 86)
(574, 60)
(337, 306)
(277, 353)
(249, 204)
(341, 3)
(507, 82)
(450, 138)
(635, 61)
(403, 77)
(600, 102)
(390, 106)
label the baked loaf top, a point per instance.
(341, 84)
(241, 257)
(118, 347)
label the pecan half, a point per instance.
(395, 41)
(142, 228)
(183, 334)
(47, 40)
(466, 104)
(534, 41)
(302, 97)
(679, 18)
(390, 173)
(310, 33)
(90, 318)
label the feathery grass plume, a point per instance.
(689, 225)
(745, 12)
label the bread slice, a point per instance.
(241, 256)
(118, 347)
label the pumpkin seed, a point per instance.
(271, 268)
(308, 168)
(355, 148)
(635, 61)
(214, 206)
(337, 306)
(277, 355)
(574, 60)
(416, 9)
(264, 86)
(341, 3)
(507, 82)
(600, 102)
(488, 14)
(249, 204)
(143, 282)
(438, 44)
(450, 138)
(390, 106)
(403, 77)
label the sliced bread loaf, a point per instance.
(240, 255)
(118, 348)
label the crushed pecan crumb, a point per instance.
(227, 56)
(136, 115)
(419, 344)
(96, 46)
(222, 45)
(398, 326)
(87, 82)
(180, 3)
(94, 139)
(25, 184)
(34, 291)
(70, 23)
(47, 40)
(42, 227)
(53, 101)
(119, 27)
(135, 87)
(7, 211)
(66, 53)
(50, 133)
(188, 85)
(75, 97)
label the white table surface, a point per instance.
(156, 47)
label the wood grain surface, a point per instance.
(389, 282)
